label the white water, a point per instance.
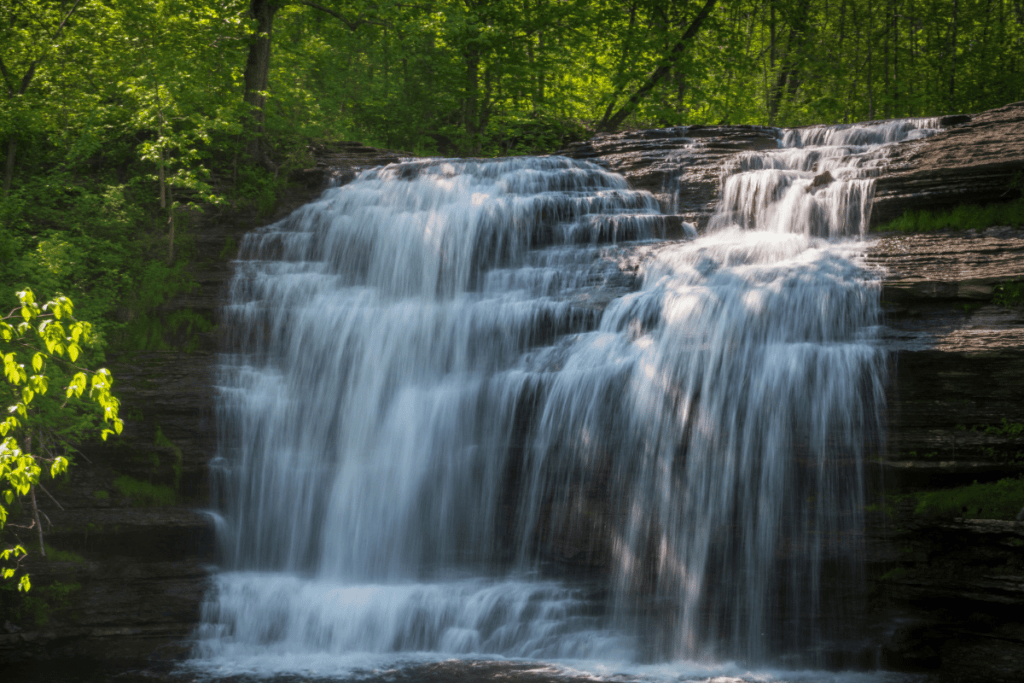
(447, 417)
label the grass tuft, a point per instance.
(963, 217)
(999, 500)
(145, 494)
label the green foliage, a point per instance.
(40, 346)
(999, 500)
(54, 555)
(101, 495)
(531, 133)
(1008, 294)
(894, 574)
(145, 494)
(160, 440)
(38, 609)
(150, 327)
(1007, 428)
(964, 217)
(229, 249)
(258, 188)
(1011, 430)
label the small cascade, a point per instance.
(479, 408)
(820, 182)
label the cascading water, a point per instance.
(454, 420)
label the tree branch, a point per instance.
(609, 124)
(7, 78)
(352, 25)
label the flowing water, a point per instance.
(480, 409)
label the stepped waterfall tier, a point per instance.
(507, 408)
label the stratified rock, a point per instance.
(680, 166)
(973, 162)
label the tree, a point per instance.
(612, 121)
(41, 429)
(257, 64)
(37, 48)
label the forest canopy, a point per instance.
(118, 117)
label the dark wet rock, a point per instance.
(680, 166)
(821, 180)
(954, 120)
(958, 588)
(956, 380)
(338, 163)
(971, 162)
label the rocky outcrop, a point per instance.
(976, 161)
(680, 166)
(949, 592)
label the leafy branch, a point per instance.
(49, 338)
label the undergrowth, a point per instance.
(145, 494)
(1008, 294)
(38, 607)
(963, 217)
(998, 500)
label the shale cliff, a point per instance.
(947, 591)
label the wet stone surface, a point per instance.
(938, 290)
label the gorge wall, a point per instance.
(947, 592)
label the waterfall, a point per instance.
(485, 408)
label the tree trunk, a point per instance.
(870, 76)
(163, 181)
(789, 79)
(470, 104)
(12, 151)
(170, 230)
(952, 67)
(257, 72)
(772, 95)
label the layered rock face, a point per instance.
(956, 394)
(679, 166)
(947, 593)
(975, 160)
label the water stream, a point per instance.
(478, 409)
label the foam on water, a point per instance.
(448, 410)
